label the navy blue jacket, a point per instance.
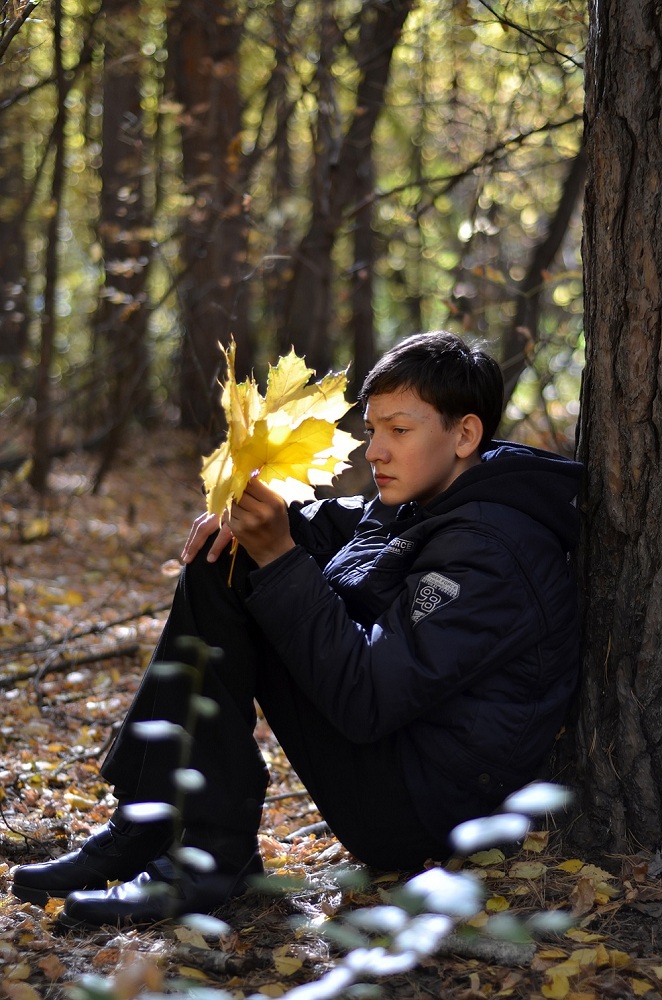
(452, 626)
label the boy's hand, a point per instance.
(260, 523)
(202, 528)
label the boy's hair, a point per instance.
(447, 373)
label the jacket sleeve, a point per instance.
(324, 526)
(466, 608)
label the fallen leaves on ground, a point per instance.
(84, 586)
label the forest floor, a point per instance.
(85, 581)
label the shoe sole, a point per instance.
(38, 896)
(66, 925)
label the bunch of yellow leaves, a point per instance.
(287, 438)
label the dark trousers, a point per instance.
(358, 788)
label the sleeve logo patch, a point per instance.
(434, 592)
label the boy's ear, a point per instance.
(469, 435)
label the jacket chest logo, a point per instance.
(434, 591)
(400, 546)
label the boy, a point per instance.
(413, 654)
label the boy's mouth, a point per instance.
(382, 480)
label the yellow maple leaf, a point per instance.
(287, 438)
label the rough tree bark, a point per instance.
(619, 733)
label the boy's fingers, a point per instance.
(261, 493)
(219, 543)
(203, 527)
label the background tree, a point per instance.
(618, 756)
(13, 196)
(339, 173)
(330, 175)
(203, 43)
(121, 356)
(42, 395)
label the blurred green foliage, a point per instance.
(471, 151)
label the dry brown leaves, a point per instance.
(82, 579)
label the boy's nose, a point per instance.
(375, 452)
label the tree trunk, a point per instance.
(203, 39)
(13, 268)
(275, 280)
(120, 328)
(524, 331)
(619, 751)
(41, 448)
(362, 326)
(309, 308)
(308, 297)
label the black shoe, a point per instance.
(163, 892)
(118, 851)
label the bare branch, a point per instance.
(65, 663)
(529, 290)
(502, 19)
(452, 180)
(16, 26)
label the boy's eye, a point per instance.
(368, 431)
(400, 430)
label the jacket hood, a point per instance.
(535, 482)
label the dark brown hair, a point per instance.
(447, 373)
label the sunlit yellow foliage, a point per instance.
(287, 438)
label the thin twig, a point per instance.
(88, 754)
(16, 25)
(502, 19)
(19, 833)
(285, 795)
(305, 831)
(97, 629)
(450, 181)
(66, 663)
(5, 576)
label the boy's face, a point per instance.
(413, 456)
